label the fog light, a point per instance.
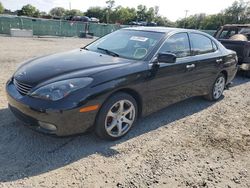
(47, 126)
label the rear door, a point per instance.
(207, 59)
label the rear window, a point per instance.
(201, 44)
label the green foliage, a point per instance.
(141, 12)
(163, 21)
(1, 8)
(110, 6)
(73, 12)
(60, 12)
(238, 12)
(123, 15)
(96, 12)
(57, 12)
(29, 10)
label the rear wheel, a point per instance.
(116, 117)
(217, 89)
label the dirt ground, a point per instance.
(194, 143)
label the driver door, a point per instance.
(171, 82)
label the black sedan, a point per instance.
(108, 84)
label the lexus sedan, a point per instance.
(107, 85)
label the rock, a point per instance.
(236, 180)
(119, 185)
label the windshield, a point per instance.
(130, 44)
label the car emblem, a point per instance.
(21, 74)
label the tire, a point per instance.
(216, 91)
(116, 117)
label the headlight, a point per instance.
(58, 90)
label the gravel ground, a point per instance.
(194, 143)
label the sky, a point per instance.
(172, 9)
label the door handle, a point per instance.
(219, 60)
(190, 66)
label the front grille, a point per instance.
(22, 88)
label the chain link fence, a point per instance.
(44, 27)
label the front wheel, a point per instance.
(217, 89)
(116, 117)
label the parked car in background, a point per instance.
(83, 19)
(80, 18)
(236, 37)
(122, 76)
(151, 24)
(143, 23)
(94, 20)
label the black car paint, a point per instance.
(154, 85)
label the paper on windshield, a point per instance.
(141, 39)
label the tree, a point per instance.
(156, 10)
(212, 22)
(73, 12)
(123, 15)
(150, 14)
(57, 12)
(163, 21)
(237, 12)
(141, 12)
(96, 12)
(1, 8)
(29, 10)
(110, 6)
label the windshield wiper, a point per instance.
(84, 48)
(109, 52)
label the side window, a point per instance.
(227, 33)
(201, 44)
(177, 44)
(223, 34)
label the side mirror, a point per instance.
(166, 58)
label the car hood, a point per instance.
(76, 63)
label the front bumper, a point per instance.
(67, 122)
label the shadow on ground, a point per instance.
(240, 79)
(25, 153)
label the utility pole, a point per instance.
(69, 5)
(185, 20)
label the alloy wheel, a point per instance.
(219, 87)
(120, 118)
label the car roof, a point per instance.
(160, 29)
